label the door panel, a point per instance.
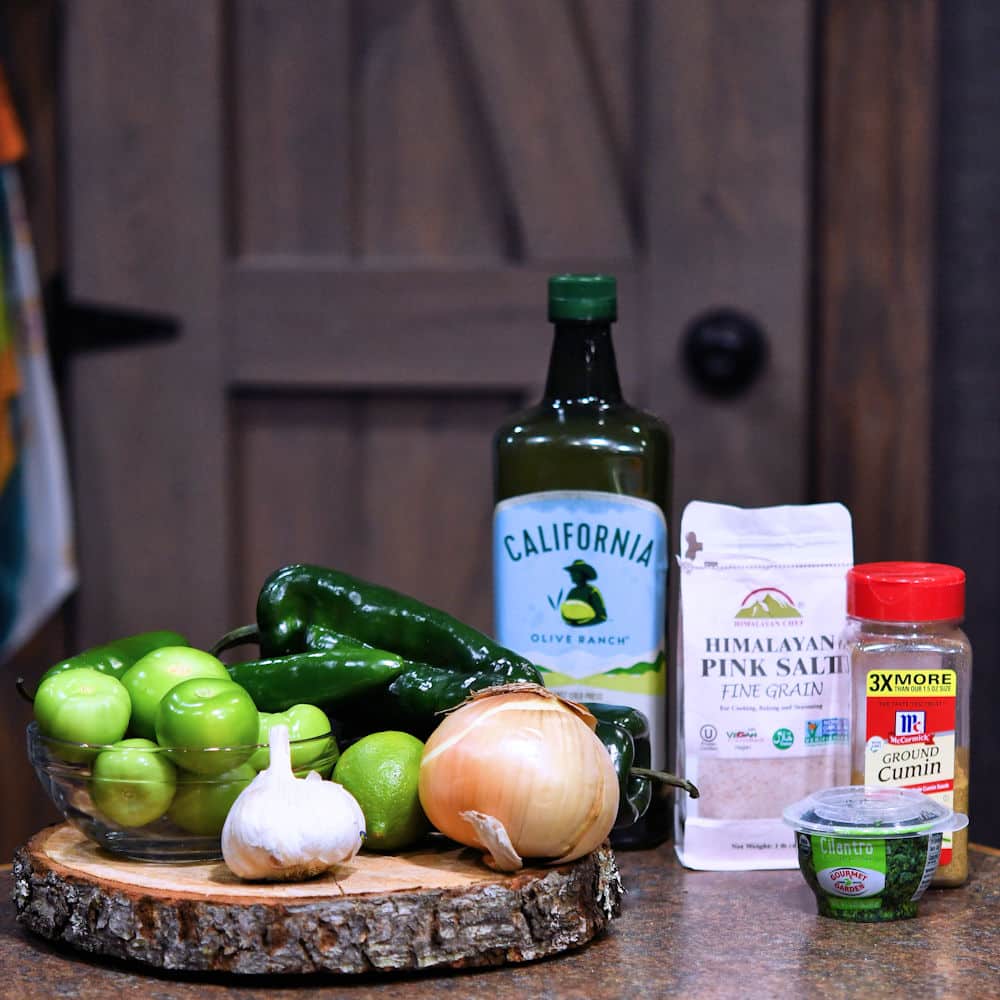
(352, 208)
(530, 64)
(387, 486)
(144, 228)
(727, 194)
(425, 180)
(290, 167)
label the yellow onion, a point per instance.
(519, 772)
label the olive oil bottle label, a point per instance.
(910, 733)
(580, 589)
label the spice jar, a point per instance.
(911, 668)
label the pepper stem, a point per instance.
(667, 779)
(23, 691)
(238, 637)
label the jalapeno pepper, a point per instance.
(302, 608)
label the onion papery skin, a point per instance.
(528, 759)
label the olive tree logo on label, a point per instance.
(767, 604)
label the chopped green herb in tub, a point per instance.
(868, 854)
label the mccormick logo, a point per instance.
(767, 604)
(911, 723)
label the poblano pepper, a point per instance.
(113, 658)
(634, 792)
(422, 693)
(365, 686)
(327, 677)
(625, 732)
(302, 608)
(419, 661)
(116, 657)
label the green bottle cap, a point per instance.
(583, 297)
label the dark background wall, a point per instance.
(966, 465)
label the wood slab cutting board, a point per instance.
(438, 906)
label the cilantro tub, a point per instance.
(868, 853)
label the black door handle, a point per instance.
(724, 351)
(91, 326)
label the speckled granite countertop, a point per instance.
(701, 934)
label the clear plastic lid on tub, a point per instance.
(864, 811)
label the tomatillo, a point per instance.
(150, 678)
(81, 706)
(202, 804)
(133, 783)
(304, 722)
(209, 724)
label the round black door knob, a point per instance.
(724, 351)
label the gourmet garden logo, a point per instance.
(849, 881)
(767, 606)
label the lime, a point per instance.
(576, 611)
(382, 772)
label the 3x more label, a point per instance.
(941, 682)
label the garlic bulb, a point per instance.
(519, 772)
(284, 828)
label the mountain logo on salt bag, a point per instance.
(767, 603)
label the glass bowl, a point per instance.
(163, 804)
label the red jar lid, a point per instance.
(906, 592)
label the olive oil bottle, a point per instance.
(580, 539)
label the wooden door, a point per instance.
(351, 208)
